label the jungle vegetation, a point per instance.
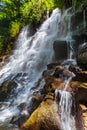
(14, 14)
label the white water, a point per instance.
(31, 56)
(65, 107)
(67, 120)
(66, 99)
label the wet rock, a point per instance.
(80, 87)
(75, 69)
(78, 117)
(52, 66)
(45, 111)
(47, 114)
(27, 109)
(82, 48)
(22, 106)
(82, 58)
(77, 24)
(79, 39)
(45, 117)
(81, 95)
(6, 88)
(84, 115)
(20, 119)
(36, 99)
(57, 76)
(60, 50)
(63, 71)
(58, 72)
(81, 77)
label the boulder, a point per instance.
(84, 115)
(6, 88)
(81, 77)
(34, 102)
(52, 66)
(60, 50)
(79, 84)
(79, 39)
(82, 56)
(45, 117)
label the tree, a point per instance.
(34, 10)
(14, 14)
(9, 13)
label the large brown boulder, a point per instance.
(84, 116)
(45, 117)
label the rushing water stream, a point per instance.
(67, 120)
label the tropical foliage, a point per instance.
(14, 14)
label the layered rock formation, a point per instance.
(47, 115)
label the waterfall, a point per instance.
(30, 52)
(69, 39)
(65, 108)
(66, 32)
(70, 49)
(65, 104)
(66, 98)
(30, 57)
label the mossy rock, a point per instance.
(6, 88)
(45, 117)
(82, 54)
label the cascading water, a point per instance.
(65, 104)
(69, 39)
(30, 52)
(66, 98)
(29, 59)
(66, 33)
